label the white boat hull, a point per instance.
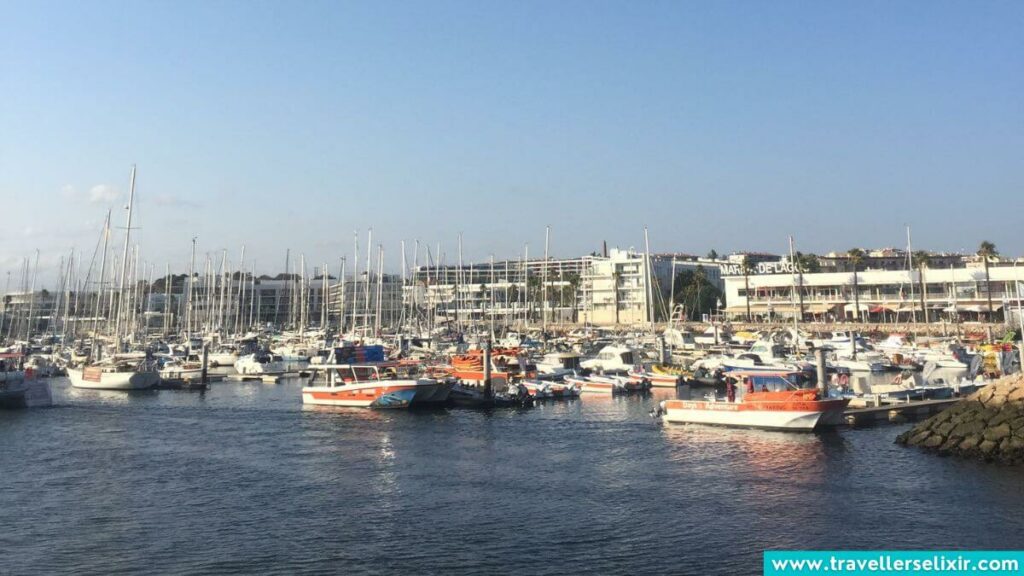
(82, 378)
(745, 419)
(378, 394)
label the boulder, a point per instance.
(989, 425)
(997, 433)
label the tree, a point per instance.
(922, 259)
(695, 292)
(805, 263)
(856, 256)
(747, 267)
(713, 254)
(987, 250)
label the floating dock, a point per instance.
(897, 413)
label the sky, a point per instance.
(725, 125)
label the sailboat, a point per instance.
(132, 371)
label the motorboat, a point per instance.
(20, 390)
(372, 386)
(607, 384)
(547, 389)
(260, 364)
(655, 378)
(558, 364)
(612, 358)
(778, 404)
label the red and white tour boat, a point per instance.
(773, 404)
(371, 386)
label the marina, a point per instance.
(462, 288)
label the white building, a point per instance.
(884, 295)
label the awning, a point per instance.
(973, 308)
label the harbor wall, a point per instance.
(987, 425)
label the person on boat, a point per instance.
(764, 387)
(730, 391)
(750, 384)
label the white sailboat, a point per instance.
(120, 372)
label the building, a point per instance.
(506, 292)
(890, 259)
(883, 295)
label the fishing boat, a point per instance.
(371, 386)
(777, 404)
(120, 372)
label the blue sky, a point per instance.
(727, 125)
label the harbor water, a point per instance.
(243, 479)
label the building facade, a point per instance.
(880, 296)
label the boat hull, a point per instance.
(96, 379)
(378, 394)
(797, 415)
(26, 394)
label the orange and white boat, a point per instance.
(781, 406)
(371, 386)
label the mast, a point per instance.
(526, 285)
(401, 318)
(369, 257)
(380, 288)
(124, 262)
(910, 274)
(252, 296)
(99, 291)
(459, 281)
(796, 311)
(648, 277)
(32, 299)
(277, 293)
(241, 291)
(167, 299)
(188, 297)
(544, 283)
(67, 299)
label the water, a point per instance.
(243, 479)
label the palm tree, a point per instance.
(805, 263)
(988, 250)
(856, 256)
(922, 259)
(747, 267)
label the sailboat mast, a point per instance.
(124, 261)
